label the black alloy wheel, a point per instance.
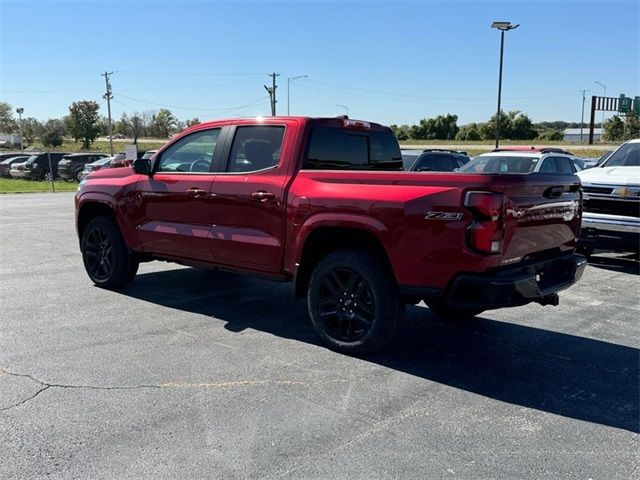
(99, 254)
(347, 304)
(105, 255)
(353, 301)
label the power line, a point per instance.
(262, 99)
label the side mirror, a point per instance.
(142, 166)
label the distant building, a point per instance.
(573, 134)
(9, 140)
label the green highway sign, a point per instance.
(624, 104)
(636, 105)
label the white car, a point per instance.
(611, 201)
(518, 160)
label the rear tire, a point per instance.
(449, 313)
(105, 255)
(353, 302)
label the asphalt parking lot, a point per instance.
(195, 374)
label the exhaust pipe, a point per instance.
(552, 299)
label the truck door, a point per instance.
(247, 205)
(172, 211)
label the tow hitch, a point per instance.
(552, 299)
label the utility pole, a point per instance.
(272, 92)
(20, 111)
(582, 118)
(108, 96)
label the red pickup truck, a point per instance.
(323, 202)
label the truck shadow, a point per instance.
(624, 263)
(554, 372)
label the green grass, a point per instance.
(14, 185)
(102, 146)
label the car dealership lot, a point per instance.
(190, 373)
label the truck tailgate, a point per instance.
(540, 215)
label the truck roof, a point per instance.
(342, 120)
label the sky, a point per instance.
(392, 62)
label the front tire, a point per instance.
(353, 302)
(105, 255)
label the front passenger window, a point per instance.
(193, 153)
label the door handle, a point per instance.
(263, 196)
(195, 191)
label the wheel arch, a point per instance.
(327, 239)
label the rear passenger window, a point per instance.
(565, 165)
(344, 149)
(548, 166)
(444, 163)
(255, 148)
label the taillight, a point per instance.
(486, 233)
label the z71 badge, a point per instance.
(443, 216)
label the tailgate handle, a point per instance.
(554, 192)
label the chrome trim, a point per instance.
(612, 223)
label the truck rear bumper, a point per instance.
(511, 286)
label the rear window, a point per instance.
(500, 164)
(344, 149)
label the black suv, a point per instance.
(433, 160)
(37, 167)
(71, 166)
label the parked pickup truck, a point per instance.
(611, 217)
(324, 203)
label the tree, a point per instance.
(30, 129)
(514, 125)
(614, 128)
(148, 125)
(522, 127)
(632, 124)
(192, 122)
(469, 132)
(402, 131)
(443, 127)
(551, 135)
(52, 133)
(83, 122)
(7, 122)
(123, 126)
(137, 126)
(164, 121)
(103, 125)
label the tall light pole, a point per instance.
(289, 80)
(503, 27)
(346, 109)
(602, 122)
(20, 111)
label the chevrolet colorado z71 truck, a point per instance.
(324, 203)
